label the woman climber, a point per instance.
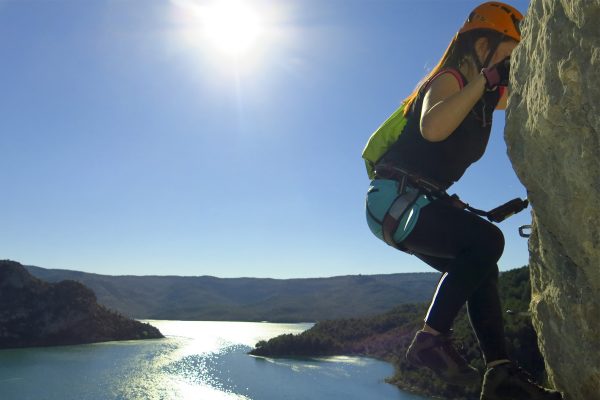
(440, 130)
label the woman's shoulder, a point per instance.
(444, 82)
(448, 74)
(442, 85)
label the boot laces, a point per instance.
(448, 343)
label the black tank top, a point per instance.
(445, 161)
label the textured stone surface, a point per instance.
(553, 136)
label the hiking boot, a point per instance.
(437, 353)
(510, 382)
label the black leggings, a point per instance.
(466, 248)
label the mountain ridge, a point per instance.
(207, 297)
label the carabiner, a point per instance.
(522, 231)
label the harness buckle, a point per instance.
(392, 217)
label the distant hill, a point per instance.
(38, 313)
(250, 299)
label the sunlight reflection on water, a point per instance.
(196, 368)
(196, 361)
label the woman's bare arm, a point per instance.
(445, 105)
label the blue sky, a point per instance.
(133, 145)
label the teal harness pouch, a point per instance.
(381, 196)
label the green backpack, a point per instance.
(381, 140)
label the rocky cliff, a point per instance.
(36, 313)
(553, 135)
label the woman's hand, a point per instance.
(497, 75)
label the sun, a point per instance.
(232, 27)
(230, 36)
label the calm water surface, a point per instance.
(197, 360)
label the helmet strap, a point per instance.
(494, 46)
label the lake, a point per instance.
(198, 360)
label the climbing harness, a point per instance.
(399, 206)
(432, 190)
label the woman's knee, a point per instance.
(496, 242)
(490, 243)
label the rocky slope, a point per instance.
(36, 313)
(553, 133)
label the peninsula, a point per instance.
(37, 313)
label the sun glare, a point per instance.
(238, 36)
(232, 27)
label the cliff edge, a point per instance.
(553, 137)
(36, 313)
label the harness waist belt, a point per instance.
(432, 188)
(398, 174)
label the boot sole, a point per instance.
(457, 381)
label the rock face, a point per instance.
(553, 135)
(36, 313)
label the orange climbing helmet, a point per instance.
(496, 16)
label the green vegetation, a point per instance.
(250, 299)
(387, 337)
(38, 313)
